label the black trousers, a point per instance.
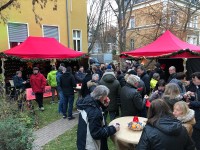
(39, 99)
(196, 138)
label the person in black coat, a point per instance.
(67, 84)
(172, 73)
(163, 131)
(194, 103)
(132, 102)
(92, 130)
(141, 72)
(84, 89)
(19, 83)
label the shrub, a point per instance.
(14, 135)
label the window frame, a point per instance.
(76, 39)
(51, 26)
(27, 25)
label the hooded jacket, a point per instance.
(92, 130)
(188, 121)
(84, 89)
(146, 79)
(51, 78)
(110, 81)
(167, 134)
(131, 101)
(38, 83)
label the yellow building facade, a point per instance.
(67, 24)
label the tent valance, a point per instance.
(42, 48)
(166, 46)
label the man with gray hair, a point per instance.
(92, 131)
(132, 103)
(93, 83)
(172, 73)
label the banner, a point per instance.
(30, 95)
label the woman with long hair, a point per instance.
(171, 95)
(185, 115)
(163, 131)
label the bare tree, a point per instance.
(123, 14)
(96, 20)
(8, 4)
(171, 16)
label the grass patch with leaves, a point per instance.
(67, 141)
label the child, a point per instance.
(185, 115)
(159, 90)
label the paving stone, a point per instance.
(52, 131)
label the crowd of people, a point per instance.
(107, 90)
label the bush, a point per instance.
(14, 135)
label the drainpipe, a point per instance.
(68, 37)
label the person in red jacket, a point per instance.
(38, 83)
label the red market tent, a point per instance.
(42, 48)
(166, 46)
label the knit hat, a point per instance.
(109, 67)
(35, 68)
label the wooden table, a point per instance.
(126, 138)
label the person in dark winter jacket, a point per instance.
(172, 73)
(80, 75)
(163, 131)
(132, 102)
(19, 83)
(141, 86)
(38, 83)
(92, 84)
(120, 78)
(180, 80)
(109, 80)
(84, 89)
(60, 92)
(158, 70)
(92, 130)
(194, 103)
(141, 72)
(171, 95)
(67, 83)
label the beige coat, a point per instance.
(188, 121)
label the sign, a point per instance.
(30, 95)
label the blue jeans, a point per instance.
(60, 106)
(68, 100)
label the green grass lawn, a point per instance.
(67, 141)
(49, 115)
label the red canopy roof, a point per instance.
(167, 45)
(42, 48)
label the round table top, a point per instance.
(125, 134)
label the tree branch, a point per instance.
(6, 5)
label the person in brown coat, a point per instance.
(185, 115)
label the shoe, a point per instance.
(42, 108)
(71, 118)
(64, 117)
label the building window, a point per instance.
(132, 23)
(192, 40)
(195, 21)
(18, 33)
(51, 32)
(77, 40)
(132, 43)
